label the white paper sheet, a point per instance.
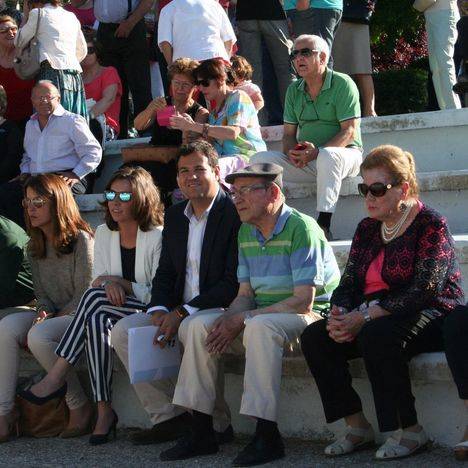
(148, 362)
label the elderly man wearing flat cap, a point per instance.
(287, 272)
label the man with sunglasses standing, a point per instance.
(287, 272)
(196, 271)
(55, 141)
(322, 136)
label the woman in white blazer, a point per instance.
(62, 47)
(126, 256)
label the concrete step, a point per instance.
(445, 191)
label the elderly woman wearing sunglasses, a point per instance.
(401, 280)
(126, 256)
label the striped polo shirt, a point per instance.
(295, 254)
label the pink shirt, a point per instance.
(374, 281)
(95, 89)
(86, 17)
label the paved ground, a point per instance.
(77, 453)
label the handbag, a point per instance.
(41, 420)
(27, 63)
(423, 5)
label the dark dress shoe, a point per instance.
(100, 439)
(190, 446)
(32, 398)
(166, 431)
(226, 436)
(262, 449)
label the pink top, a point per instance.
(95, 89)
(85, 16)
(250, 88)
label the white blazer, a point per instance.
(108, 261)
(61, 41)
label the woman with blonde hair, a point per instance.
(126, 257)
(61, 255)
(401, 280)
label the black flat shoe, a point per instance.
(260, 450)
(191, 446)
(166, 431)
(99, 439)
(36, 400)
(226, 436)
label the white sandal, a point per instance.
(342, 446)
(392, 448)
(461, 451)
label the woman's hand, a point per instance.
(115, 293)
(182, 122)
(100, 279)
(157, 104)
(343, 328)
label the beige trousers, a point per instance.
(156, 397)
(264, 340)
(329, 169)
(42, 340)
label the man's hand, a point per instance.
(303, 154)
(115, 293)
(225, 329)
(69, 177)
(124, 29)
(168, 326)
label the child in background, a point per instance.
(243, 80)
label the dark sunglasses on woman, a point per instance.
(377, 189)
(305, 52)
(110, 195)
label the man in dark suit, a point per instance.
(197, 271)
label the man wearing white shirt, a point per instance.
(197, 29)
(56, 141)
(197, 271)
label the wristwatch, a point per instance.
(365, 314)
(105, 283)
(181, 312)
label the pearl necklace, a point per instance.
(389, 233)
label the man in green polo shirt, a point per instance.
(15, 273)
(322, 138)
(287, 272)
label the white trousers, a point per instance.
(156, 397)
(42, 340)
(441, 27)
(263, 341)
(329, 169)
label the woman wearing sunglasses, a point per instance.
(232, 126)
(61, 255)
(126, 257)
(401, 280)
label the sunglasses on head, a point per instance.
(305, 52)
(110, 195)
(37, 202)
(204, 83)
(377, 189)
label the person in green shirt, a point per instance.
(322, 137)
(15, 272)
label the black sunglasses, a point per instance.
(110, 195)
(204, 83)
(377, 189)
(305, 52)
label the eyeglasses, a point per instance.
(377, 189)
(7, 29)
(37, 202)
(305, 52)
(204, 83)
(243, 191)
(182, 84)
(110, 195)
(91, 50)
(45, 98)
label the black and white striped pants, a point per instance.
(90, 330)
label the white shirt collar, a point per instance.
(189, 209)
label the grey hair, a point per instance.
(3, 101)
(317, 42)
(45, 82)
